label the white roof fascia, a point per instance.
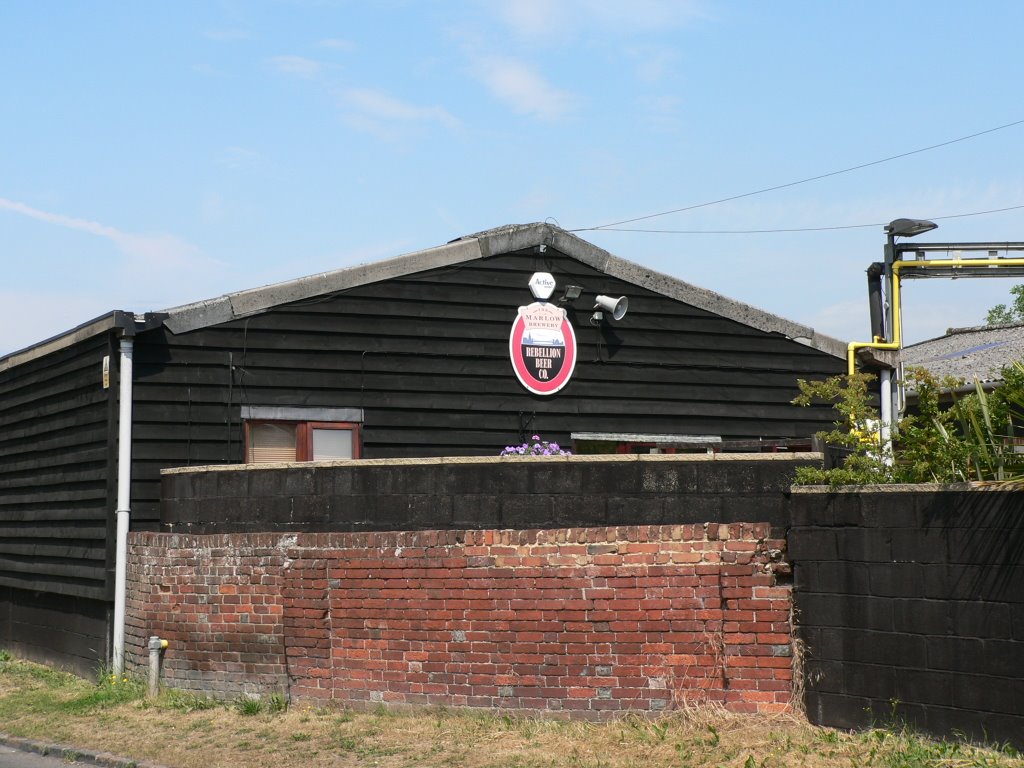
(232, 306)
(693, 295)
(61, 341)
(494, 242)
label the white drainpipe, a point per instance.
(124, 501)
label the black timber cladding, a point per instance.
(54, 470)
(426, 357)
(62, 631)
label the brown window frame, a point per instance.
(304, 436)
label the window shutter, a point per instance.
(272, 443)
(329, 444)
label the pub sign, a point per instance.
(542, 346)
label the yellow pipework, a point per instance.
(897, 330)
(901, 265)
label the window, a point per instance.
(275, 434)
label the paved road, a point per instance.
(15, 758)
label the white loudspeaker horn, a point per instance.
(617, 307)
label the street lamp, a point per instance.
(895, 228)
(909, 227)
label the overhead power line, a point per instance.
(791, 229)
(796, 183)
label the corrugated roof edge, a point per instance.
(492, 242)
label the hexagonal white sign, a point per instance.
(542, 285)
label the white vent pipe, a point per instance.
(124, 501)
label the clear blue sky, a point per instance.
(160, 153)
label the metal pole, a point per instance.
(888, 378)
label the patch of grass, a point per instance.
(186, 701)
(347, 744)
(202, 725)
(51, 678)
(276, 703)
(190, 731)
(5, 655)
(248, 705)
(904, 748)
(714, 739)
(111, 691)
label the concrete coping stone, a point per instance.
(644, 458)
(887, 488)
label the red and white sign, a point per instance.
(542, 346)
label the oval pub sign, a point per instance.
(543, 348)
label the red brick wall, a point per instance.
(586, 621)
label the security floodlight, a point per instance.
(909, 227)
(617, 307)
(570, 294)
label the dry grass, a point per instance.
(189, 732)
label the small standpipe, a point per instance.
(156, 652)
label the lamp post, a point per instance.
(894, 229)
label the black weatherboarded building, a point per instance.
(402, 358)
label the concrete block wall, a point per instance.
(910, 600)
(584, 622)
(481, 493)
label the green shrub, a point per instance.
(973, 437)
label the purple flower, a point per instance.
(537, 448)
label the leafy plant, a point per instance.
(973, 437)
(715, 739)
(930, 445)
(990, 421)
(248, 705)
(856, 430)
(537, 448)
